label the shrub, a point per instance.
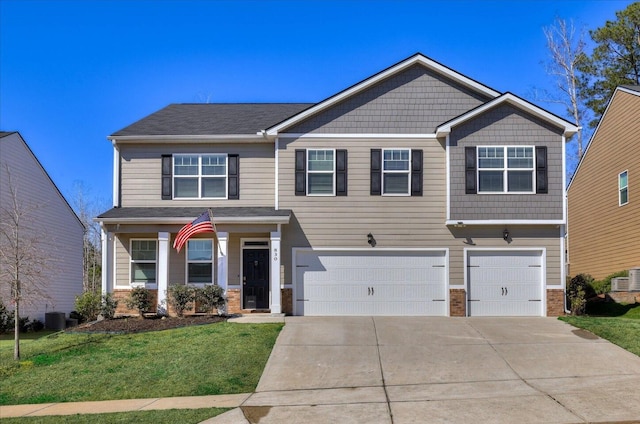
(24, 323)
(211, 297)
(88, 305)
(578, 291)
(139, 299)
(108, 306)
(6, 319)
(181, 298)
(35, 326)
(604, 285)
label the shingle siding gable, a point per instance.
(414, 101)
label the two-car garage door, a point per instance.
(338, 282)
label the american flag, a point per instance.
(201, 224)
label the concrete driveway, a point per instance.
(435, 370)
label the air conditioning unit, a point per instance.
(620, 284)
(634, 279)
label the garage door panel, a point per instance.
(505, 283)
(370, 283)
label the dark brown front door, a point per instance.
(255, 273)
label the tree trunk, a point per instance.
(16, 335)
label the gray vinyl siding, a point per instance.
(50, 219)
(502, 126)
(414, 101)
(141, 174)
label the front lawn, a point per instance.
(221, 358)
(618, 323)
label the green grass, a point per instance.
(618, 323)
(6, 339)
(170, 416)
(221, 358)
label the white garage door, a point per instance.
(370, 283)
(505, 283)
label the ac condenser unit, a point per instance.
(620, 284)
(634, 279)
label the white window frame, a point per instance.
(620, 189)
(212, 262)
(200, 176)
(133, 284)
(505, 170)
(332, 172)
(392, 171)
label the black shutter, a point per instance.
(470, 170)
(234, 177)
(542, 183)
(301, 172)
(341, 172)
(376, 172)
(166, 177)
(416, 172)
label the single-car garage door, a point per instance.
(332, 282)
(502, 283)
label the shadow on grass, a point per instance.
(613, 309)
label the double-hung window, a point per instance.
(506, 169)
(321, 169)
(396, 171)
(198, 176)
(200, 261)
(144, 255)
(623, 188)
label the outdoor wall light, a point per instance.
(371, 240)
(505, 234)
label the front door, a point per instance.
(255, 276)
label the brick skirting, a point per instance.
(555, 302)
(457, 303)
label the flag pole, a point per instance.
(215, 230)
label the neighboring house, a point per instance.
(603, 196)
(418, 191)
(48, 215)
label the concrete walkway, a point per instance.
(414, 370)
(441, 370)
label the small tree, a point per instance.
(139, 299)
(578, 291)
(211, 297)
(88, 305)
(181, 298)
(108, 306)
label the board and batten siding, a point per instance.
(604, 237)
(50, 219)
(415, 100)
(506, 126)
(141, 167)
(394, 221)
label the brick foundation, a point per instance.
(457, 303)
(286, 301)
(234, 304)
(122, 295)
(555, 302)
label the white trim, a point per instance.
(219, 220)
(447, 149)
(363, 85)
(569, 128)
(116, 177)
(190, 139)
(275, 255)
(212, 262)
(595, 132)
(242, 247)
(505, 222)
(276, 155)
(543, 271)
(505, 169)
(295, 250)
(360, 136)
(565, 206)
(200, 176)
(407, 172)
(162, 267)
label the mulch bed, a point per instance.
(123, 325)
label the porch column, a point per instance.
(276, 303)
(223, 240)
(162, 278)
(106, 238)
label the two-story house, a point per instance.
(418, 191)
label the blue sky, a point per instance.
(72, 72)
